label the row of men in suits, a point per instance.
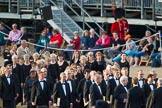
(67, 93)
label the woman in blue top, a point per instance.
(43, 40)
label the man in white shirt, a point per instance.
(61, 93)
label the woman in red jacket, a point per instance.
(76, 41)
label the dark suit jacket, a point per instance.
(155, 99)
(58, 92)
(8, 91)
(79, 90)
(129, 84)
(110, 88)
(135, 98)
(50, 83)
(39, 96)
(119, 95)
(73, 93)
(86, 90)
(95, 94)
(104, 86)
(147, 90)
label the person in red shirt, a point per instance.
(56, 39)
(121, 24)
(76, 41)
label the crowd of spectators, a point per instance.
(41, 78)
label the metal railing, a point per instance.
(62, 12)
(16, 5)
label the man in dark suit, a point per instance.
(141, 79)
(72, 85)
(80, 88)
(61, 93)
(102, 104)
(135, 96)
(87, 86)
(124, 72)
(112, 83)
(48, 79)
(148, 87)
(96, 92)
(40, 92)
(8, 88)
(120, 93)
(155, 97)
(104, 81)
(154, 73)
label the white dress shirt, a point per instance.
(70, 85)
(64, 88)
(140, 81)
(42, 84)
(99, 89)
(117, 81)
(8, 80)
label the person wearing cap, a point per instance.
(56, 39)
(155, 97)
(40, 92)
(148, 86)
(76, 41)
(28, 86)
(118, 27)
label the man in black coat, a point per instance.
(156, 96)
(141, 79)
(120, 93)
(61, 93)
(148, 87)
(96, 92)
(40, 92)
(48, 79)
(87, 87)
(8, 88)
(112, 83)
(72, 85)
(124, 72)
(79, 90)
(135, 96)
(104, 81)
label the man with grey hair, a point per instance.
(92, 39)
(96, 92)
(87, 85)
(22, 50)
(154, 73)
(120, 93)
(156, 96)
